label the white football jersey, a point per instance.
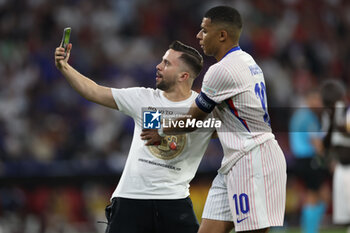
(236, 86)
(163, 171)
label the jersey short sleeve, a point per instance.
(129, 100)
(218, 84)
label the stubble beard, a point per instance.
(163, 85)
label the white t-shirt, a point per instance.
(236, 85)
(158, 172)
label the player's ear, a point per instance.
(223, 35)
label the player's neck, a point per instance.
(223, 50)
(177, 95)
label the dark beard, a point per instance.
(165, 85)
(162, 86)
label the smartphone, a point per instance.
(65, 38)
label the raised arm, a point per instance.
(83, 85)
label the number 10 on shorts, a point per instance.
(241, 203)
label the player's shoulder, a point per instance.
(218, 68)
(235, 59)
(238, 58)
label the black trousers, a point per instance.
(311, 172)
(151, 216)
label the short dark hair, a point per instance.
(189, 55)
(225, 14)
(332, 91)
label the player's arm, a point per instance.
(83, 85)
(194, 113)
(197, 112)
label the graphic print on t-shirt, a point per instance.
(170, 147)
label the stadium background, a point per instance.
(61, 156)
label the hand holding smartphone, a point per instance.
(65, 38)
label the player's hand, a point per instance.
(61, 57)
(152, 137)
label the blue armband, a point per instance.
(204, 103)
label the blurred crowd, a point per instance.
(46, 129)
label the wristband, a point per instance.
(161, 132)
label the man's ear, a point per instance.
(184, 76)
(223, 35)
